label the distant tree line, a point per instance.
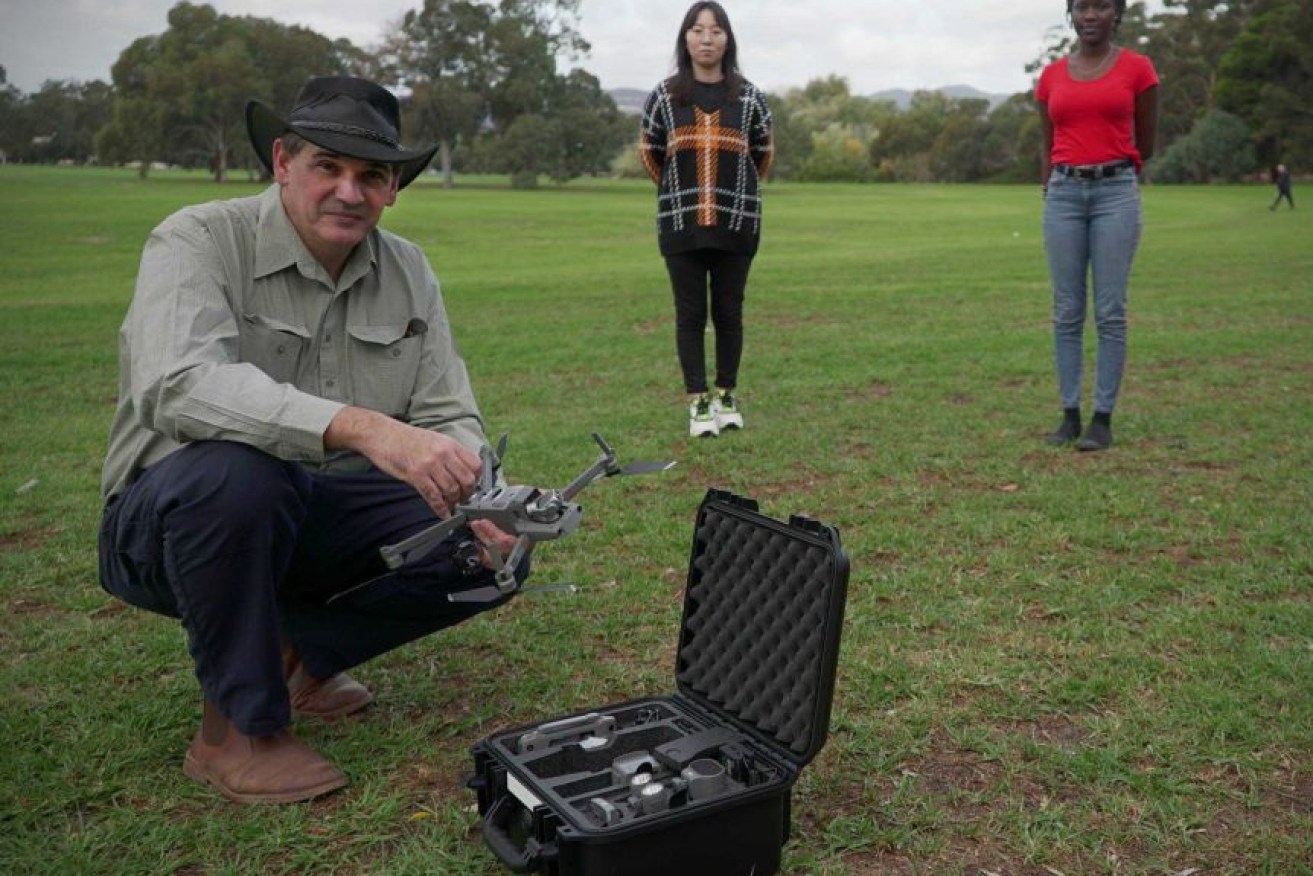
(481, 79)
(478, 78)
(1236, 97)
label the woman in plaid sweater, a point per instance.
(706, 142)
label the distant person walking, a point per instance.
(706, 141)
(1283, 187)
(1099, 113)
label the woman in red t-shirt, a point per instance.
(1099, 110)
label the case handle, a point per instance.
(498, 838)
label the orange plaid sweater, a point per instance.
(707, 157)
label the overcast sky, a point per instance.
(875, 44)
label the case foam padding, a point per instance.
(755, 625)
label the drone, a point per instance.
(532, 514)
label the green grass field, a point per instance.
(1053, 663)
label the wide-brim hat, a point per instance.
(343, 114)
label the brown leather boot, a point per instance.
(257, 769)
(321, 698)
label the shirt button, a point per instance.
(328, 338)
(396, 354)
(330, 383)
(281, 349)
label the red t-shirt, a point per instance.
(1094, 122)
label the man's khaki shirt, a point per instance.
(237, 333)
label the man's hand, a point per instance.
(438, 467)
(488, 533)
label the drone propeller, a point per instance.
(491, 593)
(532, 514)
(610, 468)
(639, 468)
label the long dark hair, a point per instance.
(681, 84)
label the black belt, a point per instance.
(1093, 171)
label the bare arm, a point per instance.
(439, 467)
(1146, 121)
(436, 465)
(1046, 145)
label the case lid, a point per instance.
(763, 613)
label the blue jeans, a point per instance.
(249, 551)
(1091, 227)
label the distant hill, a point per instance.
(630, 100)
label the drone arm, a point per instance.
(488, 471)
(604, 466)
(419, 544)
(592, 473)
(504, 569)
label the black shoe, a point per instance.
(1067, 432)
(1097, 437)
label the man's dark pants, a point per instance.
(248, 550)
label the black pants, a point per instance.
(248, 550)
(725, 275)
(1283, 193)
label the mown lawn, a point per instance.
(1053, 663)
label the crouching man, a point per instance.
(291, 399)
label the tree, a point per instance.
(205, 74)
(822, 131)
(1266, 78)
(475, 67)
(1217, 148)
(14, 133)
(837, 155)
(441, 52)
(1187, 43)
(582, 134)
(1011, 143)
(792, 135)
(136, 131)
(592, 129)
(903, 147)
(63, 117)
(180, 96)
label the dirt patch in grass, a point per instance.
(879, 559)
(950, 772)
(1294, 789)
(962, 856)
(1058, 731)
(881, 864)
(806, 481)
(872, 390)
(32, 608)
(426, 780)
(28, 539)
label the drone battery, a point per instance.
(698, 783)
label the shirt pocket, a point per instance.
(384, 364)
(273, 346)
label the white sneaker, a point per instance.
(725, 408)
(701, 418)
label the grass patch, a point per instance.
(1053, 662)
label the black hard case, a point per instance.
(758, 648)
